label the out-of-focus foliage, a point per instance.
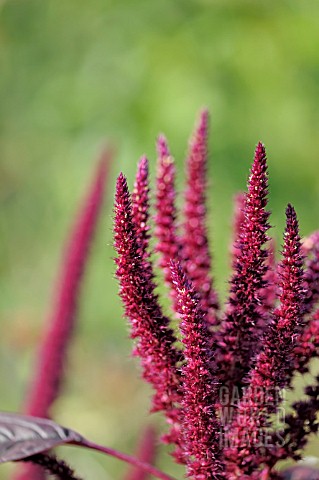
(75, 74)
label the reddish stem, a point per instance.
(125, 458)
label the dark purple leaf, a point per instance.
(22, 436)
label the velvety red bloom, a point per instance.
(269, 292)
(140, 206)
(267, 332)
(195, 248)
(239, 336)
(238, 220)
(302, 422)
(146, 452)
(47, 379)
(48, 376)
(168, 244)
(275, 364)
(200, 427)
(222, 385)
(307, 346)
(154, 339)
(311, 251)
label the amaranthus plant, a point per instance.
(219, 378)
(221, 387)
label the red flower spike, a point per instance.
(146, 453)
(275, 364)
(307, 346)
(49, 372)
(269, 294)
(308, 343)
(48, 377)
(300, 424)
(195, 248)
(238, 220)
(239, 336)
(310, 248)
(140, 206)
(200, 427)
(168, 244)
(155, 340)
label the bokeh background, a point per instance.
(76, 75)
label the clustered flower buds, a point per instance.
(221, 386)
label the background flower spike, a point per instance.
(146, 452)
(140, 206)
(168, 242)
(197, 260)
(48, 377)
(47, 380)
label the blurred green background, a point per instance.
(76, 75)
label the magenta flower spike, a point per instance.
(274, 366)
(155, 340)
(269, 292)
(307, 346)
(49, 372)
(300, 424)
(200, 428)
(239, 336)
(311, 251)
(168, 243)
(146, 452)
(48, 376)
(140, 205)
(195, 248)
(238, 220)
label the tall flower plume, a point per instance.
(239, 335)
(155, 339)
(168, 242)
(200, 427)
(275, 364)
(230, 372)
(48, 377)
(195, 247)
(46, 382)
